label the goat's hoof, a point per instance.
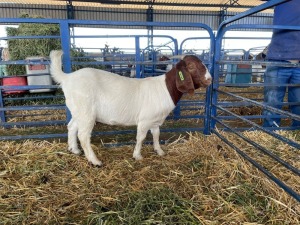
(97, 163)
(161, 153)
(138, 157)
(75, 151)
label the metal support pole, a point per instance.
(71, 15)
(66, 47)
(2, 112)
(223, 10)
(137, 58)
(150, 19)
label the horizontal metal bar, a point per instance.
(28, 87)
(249, 117)
(30, 124)
(255, 85)
(27, 115)
(35, 107)
(251, 11)
(265, 106)
(29, 37)
(262, 149)
(64, 135)
(33, 97)
(116, 2)
(258, 166)
(256, 62)
(279, 137)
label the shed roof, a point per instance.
(184, 5)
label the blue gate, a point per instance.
(226, 97)
(144, 59)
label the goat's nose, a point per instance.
(209, 80)
(208, 75)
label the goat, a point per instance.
(164, 66)
(94, 95)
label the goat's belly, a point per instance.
(131, 120)
(113, 119)
(116, 122)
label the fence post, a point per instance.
(66, 47)
(2, 113)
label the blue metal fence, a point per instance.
(145, 60)
(224, 98)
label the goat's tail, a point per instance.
(55, 67)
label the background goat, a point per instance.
(99, 96)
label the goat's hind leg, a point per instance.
(72, 137)
(84, 134)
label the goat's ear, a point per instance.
(184, 81)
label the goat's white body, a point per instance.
(117, 100)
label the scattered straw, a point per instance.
(200, 181)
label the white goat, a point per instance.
(99, 96)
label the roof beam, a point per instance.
(146, 3)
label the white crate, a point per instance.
(35, 68)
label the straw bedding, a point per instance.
(200, 181)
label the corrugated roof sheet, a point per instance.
(184, 5)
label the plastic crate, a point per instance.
(14, 81)
(238, 73)
(33, 70)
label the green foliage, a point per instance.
(108, 50)
(80, 56)
(154, 206)
(255, 206)
(20, 49)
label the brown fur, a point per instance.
(193, 77)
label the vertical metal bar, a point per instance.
(2, 112)
(177, 108)
(154, 59)
(216, 78)
(175, 47)
(150, 28)
(66, 47)
(209, 90)
(137, 58)
(176, 112)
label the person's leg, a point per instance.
(274, 95)
(294, 94)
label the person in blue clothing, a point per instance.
(284, 47)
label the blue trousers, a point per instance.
(274, 95)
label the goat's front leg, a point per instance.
(155, 133)
(140, 136)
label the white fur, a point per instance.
(98, 96)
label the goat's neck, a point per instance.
(171, 85)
